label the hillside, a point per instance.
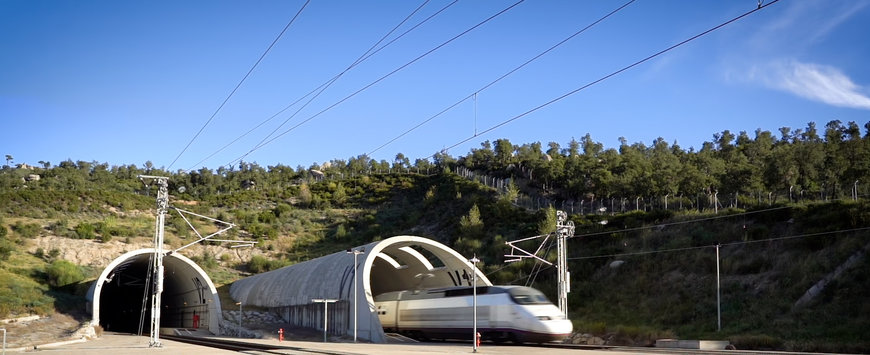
(59, 231)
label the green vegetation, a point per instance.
(779, 207)
(62, 273)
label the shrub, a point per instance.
(59, 227)
(206, 260)
(85, 231)
(29, 230)
(340, 232)
(259, 264)
(61, 273)
(6, 249)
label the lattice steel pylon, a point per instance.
(564, 230)
(159, 254)
(157, 260)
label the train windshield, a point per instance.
(527, 295)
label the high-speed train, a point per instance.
(504, 313)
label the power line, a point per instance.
(608, 76)
(682, 222)
(335, 78)
(329, 82)
(378, 80)
(501, 77)
(239, 84)
(722, 245)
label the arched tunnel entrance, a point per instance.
(120, 303)
(415, 264)
(394, 264)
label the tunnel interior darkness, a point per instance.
(124, 302)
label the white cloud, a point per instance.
(813, 81)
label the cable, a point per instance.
(328, 82)
(682, 222)
(239, 84)
(608, 76)
(502, 77)
(334, 79)
(540, 266)
(722, 245)
(377, 81)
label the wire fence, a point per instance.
(702, 201)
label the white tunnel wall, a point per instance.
(389, 265)
(187, 289)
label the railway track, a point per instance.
(256, 348)
(250, 348)
(652, 350)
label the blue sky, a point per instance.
(124, 82)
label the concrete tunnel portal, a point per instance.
(394, 264)
(119, 302)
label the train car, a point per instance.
(504, 313)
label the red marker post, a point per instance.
(281, 334)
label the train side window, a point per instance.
(527, 295)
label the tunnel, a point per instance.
(394, 264)
(119, 301)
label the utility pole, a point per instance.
(157, 259)
(564, 231)
(326, 303)
(355, 253)
(718, 294)
(241, 315)
(474, 260)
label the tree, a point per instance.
(666, 166)
(548, 224)
(305, 194)
(836, 161)
(471, 228)
(423, 165)
(504, 151)
(339, 197)
(8, 160)
(61, 273)
(471, 224)
(401, 161)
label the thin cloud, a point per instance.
(805, 23)
(815, 82)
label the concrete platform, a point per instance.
(122, 344)
(119, 344)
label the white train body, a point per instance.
(515, 313)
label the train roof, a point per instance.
(456, 291)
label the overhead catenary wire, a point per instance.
(334, 79)
(221, 106)
(842, 231)
(379, 80)
(663, 225)
(608, 76)
(474, 94)
(316, 91)
(329, 81)
(536, 270)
